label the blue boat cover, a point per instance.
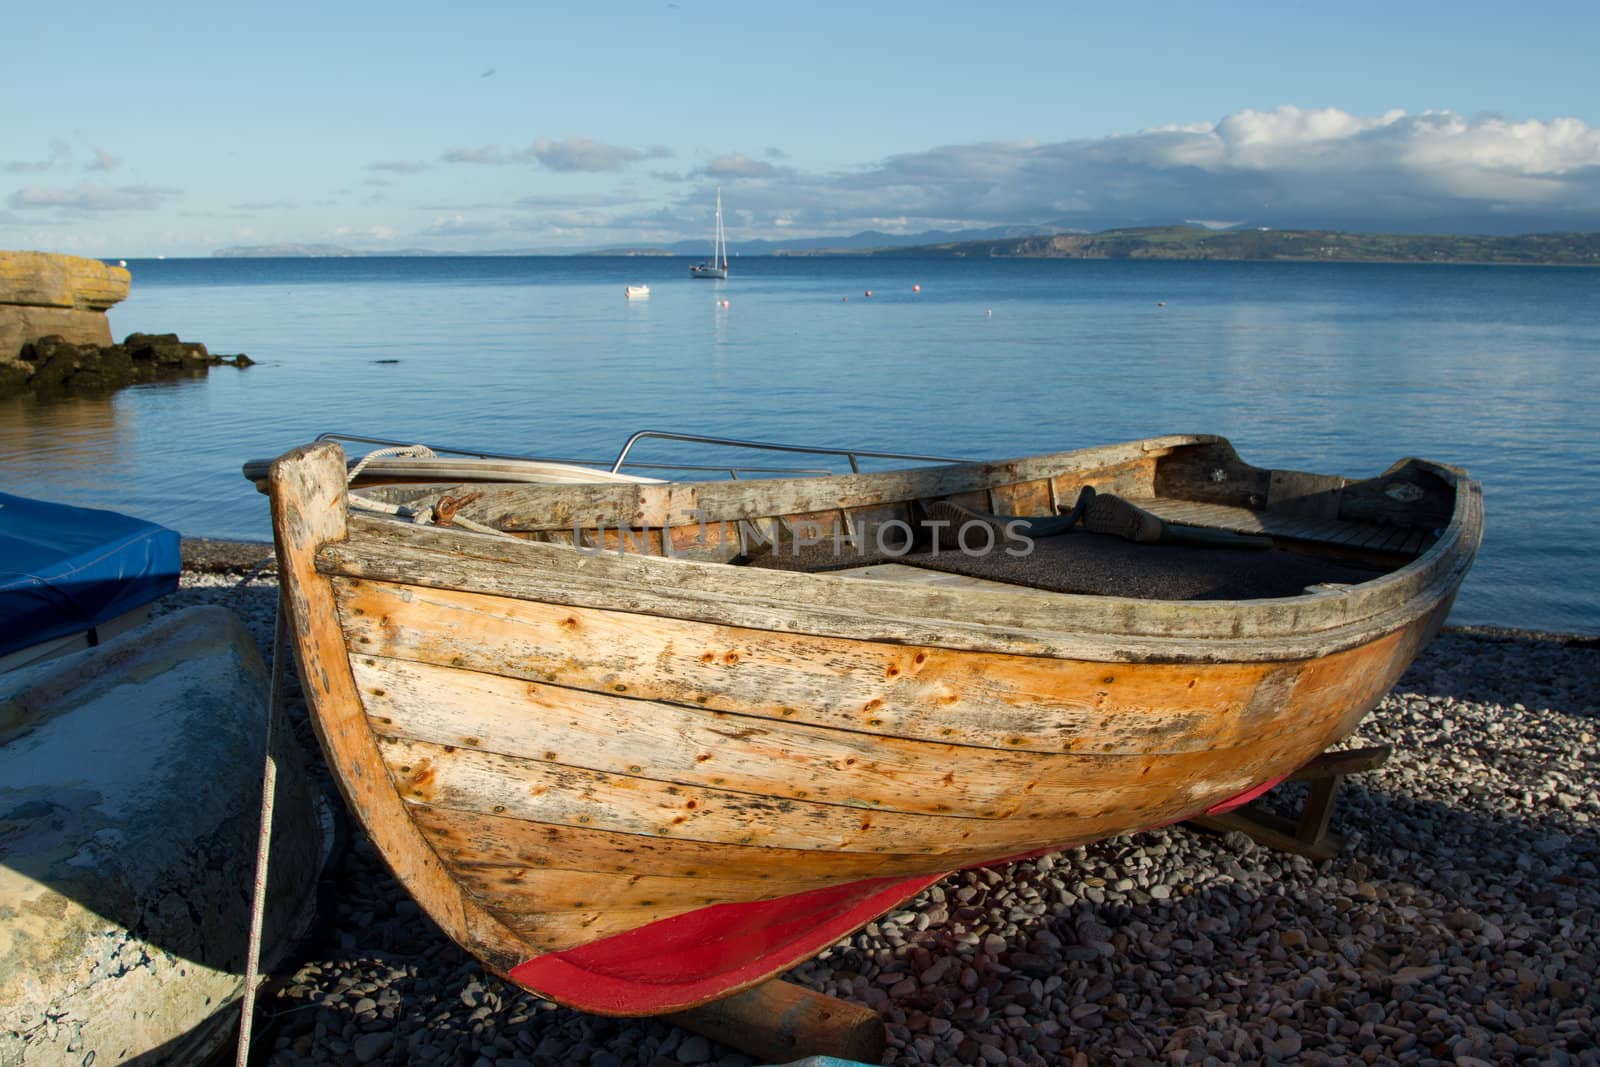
(65, 569)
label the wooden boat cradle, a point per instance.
(786, 732)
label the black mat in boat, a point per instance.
(1102, 565)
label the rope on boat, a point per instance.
(402, 511)
(409, 451)
(258, 899)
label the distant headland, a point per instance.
(1198, 243)
(1151, 242)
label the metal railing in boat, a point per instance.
(851, 455)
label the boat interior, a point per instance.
(1170, 518)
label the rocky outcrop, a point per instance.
(52, 366)
(54, 337)
(44, 294)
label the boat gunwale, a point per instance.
(1085, 626)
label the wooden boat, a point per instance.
(668, 739)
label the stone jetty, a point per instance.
(55, 338)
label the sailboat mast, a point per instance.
(721, 248)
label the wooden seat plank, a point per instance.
(1244, 520)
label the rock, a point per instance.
(369, 1047)
(46, 279)
(42, 293)
(695, 1049)
(54, 365)
(1413, 975)
(54, 337)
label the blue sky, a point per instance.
(176, 129)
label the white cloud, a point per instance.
(94, 198)
(489, 154)
(103, 160)
(739, 165)
(60, 154)
(1284, 167)
(572, 154)
(399, 166)
(375, 233)
(587, 154)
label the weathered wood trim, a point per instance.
(689, 746)
(553, 931)
(1016, 704)
(469, 838)
(307, 489)
(562, 507)
(469, 780)
(1110, 629)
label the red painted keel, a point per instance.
(703, 955)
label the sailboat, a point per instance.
(717, 265)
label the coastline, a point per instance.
(1456, 926)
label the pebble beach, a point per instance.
(1457, 927)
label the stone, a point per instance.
(54, 336)
(369, 1047)
(42, 293)
(47, 279)
(695, 1049)
(54, 365)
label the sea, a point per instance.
(1325, 367)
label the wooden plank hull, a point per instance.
(638, 784)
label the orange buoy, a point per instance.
(916, 288)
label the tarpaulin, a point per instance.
(67, 569)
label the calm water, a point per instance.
(1341, 368)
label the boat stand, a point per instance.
(1308, 835)
(780, 1022)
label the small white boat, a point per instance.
(637, 292)
(717, 265)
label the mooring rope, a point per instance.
(258, 899)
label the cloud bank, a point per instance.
(93, 199)
(572, 154)
(1287, 167)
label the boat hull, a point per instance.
(582, 764)
(130, 790)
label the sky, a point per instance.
(133, 130)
